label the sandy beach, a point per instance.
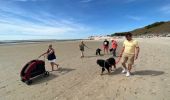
(80, 79)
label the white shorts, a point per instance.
(52, 60)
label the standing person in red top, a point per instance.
(114, 47)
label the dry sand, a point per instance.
(80, 79)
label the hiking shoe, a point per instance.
(124, 71)
(128, 74)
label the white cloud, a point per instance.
(18, 22)
(15, 21)
(165, 9)
(24, 0)
(129, 1)
(136, 18)
(20, 0)
(86, 1)
(14, 25)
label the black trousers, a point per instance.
(114, 52)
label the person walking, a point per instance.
(114, 47)
(50, 56)
(129, 53)
(81, 46)
(106, 45)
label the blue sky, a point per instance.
(73, 19)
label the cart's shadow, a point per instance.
(52, 75)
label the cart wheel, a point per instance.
(46, 74)
(28, 82)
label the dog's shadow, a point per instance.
(117, 71)
(148, 72)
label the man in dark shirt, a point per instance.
(106, 45)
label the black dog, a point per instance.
(106, 64)
(98, 51)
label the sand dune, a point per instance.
(80, 79)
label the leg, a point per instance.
(129, 67)
(52, 66)
(124, 63)
(130, 62)
(114, 66)
(104, 50)
(114, 52)
(125, 58)
(56, 64)
(82, 54)
(108, 69)
(103, 69)
(107, 50)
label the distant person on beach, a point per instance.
(114, 47)
(106, 45)
(130, 53)
(81, 46)
(50, 53)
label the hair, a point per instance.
(50, 45)
(113, 40)
(128, 34)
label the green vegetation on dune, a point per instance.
(157, 28)
(154, 25)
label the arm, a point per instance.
(43, 54)
(137, 52)
(86, 46)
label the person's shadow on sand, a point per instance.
(52, 75)
(148, 72)
(140, 72)
(63, 71)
